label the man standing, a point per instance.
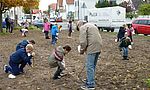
(7, 20)
(91, 44)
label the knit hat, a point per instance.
(30, 47)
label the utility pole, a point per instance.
(78, 8)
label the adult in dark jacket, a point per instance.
(24, 43)
(7, 20)
(18, 61)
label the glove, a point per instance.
(33, 53)
(79, 48)
(130, 47)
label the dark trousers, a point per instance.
(11, 29)
(57, 73)
(69, 34)
(46, 34)
(15, 68)
(7, 27)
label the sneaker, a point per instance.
(5, 69)
(11, 76)
(55, 78)
(87, 88)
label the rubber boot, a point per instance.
(125, 58)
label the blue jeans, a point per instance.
(91, 62)
(53, 40)
(125, 51)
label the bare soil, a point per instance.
(112, 73)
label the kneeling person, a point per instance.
(18, 61)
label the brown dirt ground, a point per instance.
(112, 73)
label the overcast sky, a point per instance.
(44, 4)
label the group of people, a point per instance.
(54, 30)
(9, 24)
(90, 42)
(124, 36)
(19, 58)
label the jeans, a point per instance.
(125, 51)
(91, 62)
(53, 40)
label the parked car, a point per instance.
(59, 19)
(38, 23)
(52, 20)
(141, 26)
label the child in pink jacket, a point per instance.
(46, 28)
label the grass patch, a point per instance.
(17, 28)
(147, 81)
(31, 27)
(3, 33)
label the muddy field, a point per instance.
(112, 72)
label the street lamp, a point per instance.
(78, 9)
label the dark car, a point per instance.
(38, 23)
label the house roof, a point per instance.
(53, 6)
(60, 3)
(70, 1)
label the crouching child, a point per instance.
(125, 43)
(24, 32)
(56, 59)
(18, 61)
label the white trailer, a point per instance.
(107, 18)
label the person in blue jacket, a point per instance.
(24, 43)
(54, 33)
(18, 61)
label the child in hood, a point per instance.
(54, 33)
(56, 59)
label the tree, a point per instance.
(144, 9)
(127, 5)
(105, 4)
(7, 4)
(31, 4)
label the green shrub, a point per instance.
(3, 33)
(31, 27)
(148, 82)
(17, 28)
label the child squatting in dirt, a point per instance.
(56, 59)
(18, 61)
